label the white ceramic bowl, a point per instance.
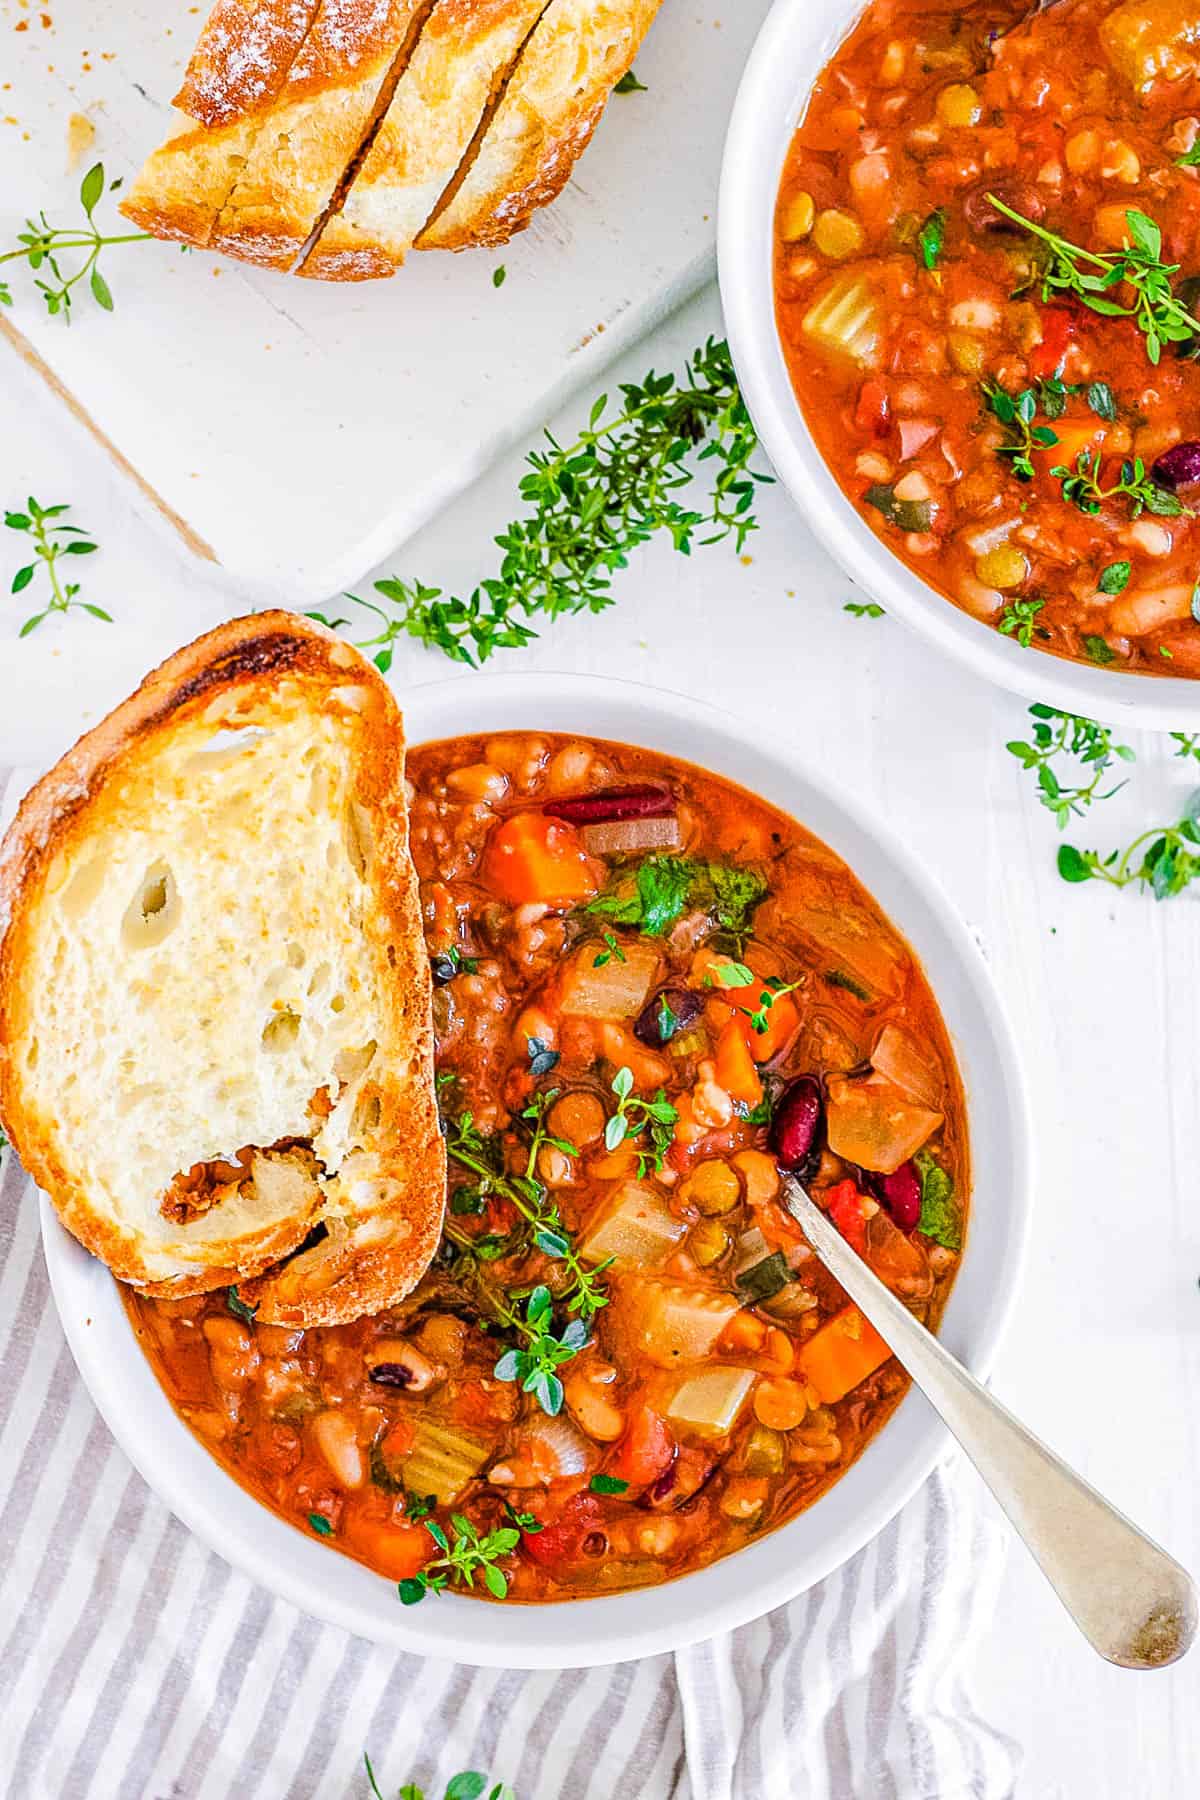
(796, 41)
(783, 1564)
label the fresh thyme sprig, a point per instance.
(584, 1292)
(468, 1554)
(1158, 312)
(1049, 396)
(1082, 487)
(536, 1362)
(469, 1785)
(41, 245)
(1019, 619)
(656, 1117)
(1060, 734)
(592, 502)
(50, 542)
(1165, 859)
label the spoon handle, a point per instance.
(1132, 1602)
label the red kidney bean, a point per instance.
(1178, 467)
(900, 1192)
(1022, 196)
(646, 801)
(654, 1028)
(796, 1125)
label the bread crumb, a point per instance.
(81, 135)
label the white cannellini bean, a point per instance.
(1150, 609)
(913, 486)
(873, 467)
(336, 1441)
(982, 538)
(984, 602)
(1149, 536)
(978, 314)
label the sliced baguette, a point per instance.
(312, 135)
(551, 106)
(242, 57)
(215, 1029)
(257, 185)
(455, 75)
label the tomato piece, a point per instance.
(873, 412)
(844, 1204)
(645, 1452)
(1058, 334)
(531, 857)
(564, 1539)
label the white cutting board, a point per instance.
(297, 431)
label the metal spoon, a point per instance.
(1132, 1602)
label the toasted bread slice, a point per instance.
(242, 57)
(215, 1027)
(551, 106)
(257, 185)
(455, 76)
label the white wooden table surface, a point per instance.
(1104, 1353)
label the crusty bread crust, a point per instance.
(455, 74)
(242, 57)
(381, 1207)
(255, 185)
(552, 105)
(311, 137)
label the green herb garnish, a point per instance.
(446, 964)
(499, 276)
(1099, 649)
(939, 1219)
(1081, 486)
(238, 1307)
(50, 542)
(1115, 578)
(932, 237)
(629, 84)
(1165, 859)
(863, 609)
(611, 949)
(592, 503)
(42, 244)
(1092, 276)
(584, 1292)
(535, 1362)
(1059, 734)
(1019, 620)
(541, 1057)
(608, 1484)
(656, 1117)
(320, 1524)
(462, 1559)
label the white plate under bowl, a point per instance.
(795, 43)
(778, 1566)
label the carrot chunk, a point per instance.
(736, 1072)
(843, 1352)
(531, 857)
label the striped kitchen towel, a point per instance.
(136, 1665)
